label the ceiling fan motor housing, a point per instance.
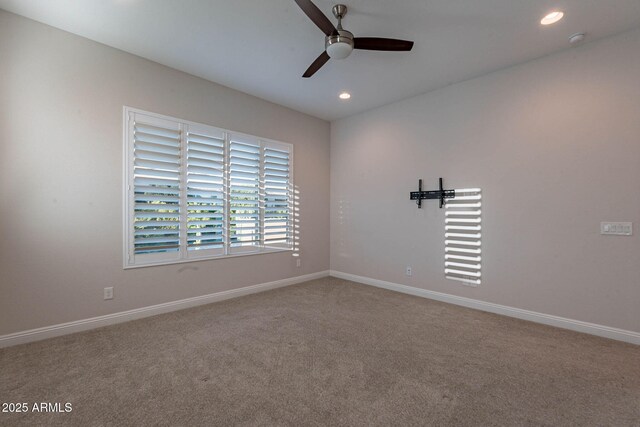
(340, 45)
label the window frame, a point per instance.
(183, 254)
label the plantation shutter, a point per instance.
(155, 188)
(244, 195)
(278, 218)
(205, 191)
(194, 191)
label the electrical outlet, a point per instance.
(298, 262)
(108, 293)
(408, 272)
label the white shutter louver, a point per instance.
(278, 221)
(205, 191)
(463, 234)
(156, 186)
(244, 195)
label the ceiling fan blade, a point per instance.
(376, 43)
(318, 18)
(317, 64)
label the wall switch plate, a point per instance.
(298, 262)
(108, 293)
(616, 228)
(408, 272)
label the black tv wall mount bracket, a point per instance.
(440, 194)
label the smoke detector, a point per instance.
(576, 38)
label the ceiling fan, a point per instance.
(339, 42)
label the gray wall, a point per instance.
(61, 178)
(555, 146)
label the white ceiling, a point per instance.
(263, 47)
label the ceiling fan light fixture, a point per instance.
(339, 46)
(339, 50)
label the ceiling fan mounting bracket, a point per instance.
(339, 11)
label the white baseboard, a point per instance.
(138, 313)
(547, 319)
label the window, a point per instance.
(197, 192)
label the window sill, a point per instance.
(218, 257)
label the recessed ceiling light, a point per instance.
(552, 17)
(344, 95)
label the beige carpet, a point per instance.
(326, 352)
